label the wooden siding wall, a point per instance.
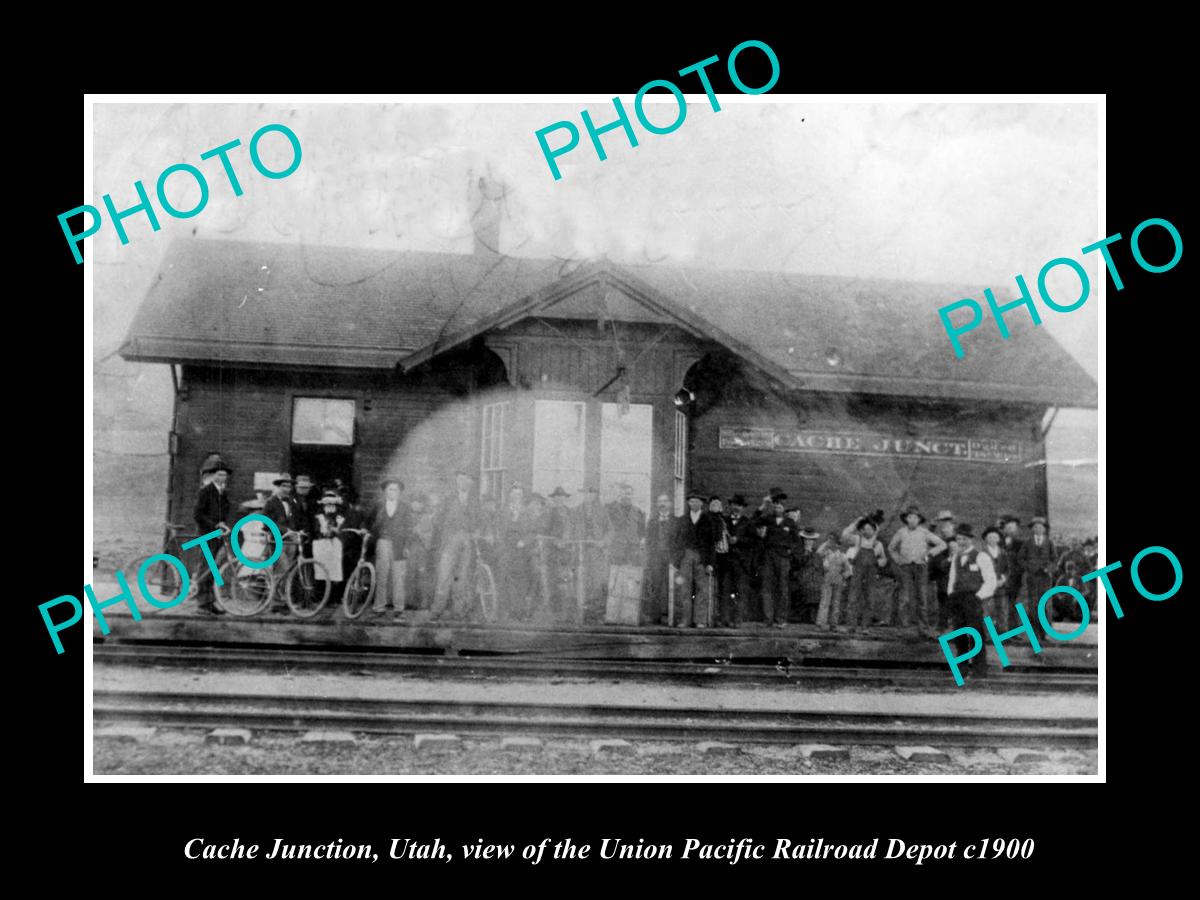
(832, 488)
(420, 427)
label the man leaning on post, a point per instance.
(971, 584)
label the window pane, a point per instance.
(558, 444)
(626, 443)
(318, 420)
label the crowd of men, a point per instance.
(717, 564)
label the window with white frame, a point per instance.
(681, 436)
(493, 465)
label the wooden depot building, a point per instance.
(359, 363)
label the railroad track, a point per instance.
(813, 674)
(270, 712)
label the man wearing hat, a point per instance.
(911, 548)
(628, 528)
(561, 556)
(739, 569)
(1010, 527)
(939, 570)
(778, 541)
(458, 518)
(590, 523)
(998, 607)
(211, 514)
(306, 501)
(282, 509)
(971, 583)
(695, 541)
(514, 552)
(1037, 557)
(390, 523)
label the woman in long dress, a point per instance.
(327, 543)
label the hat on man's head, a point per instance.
(303, 480)
(773, 491)
(778, 496)
(964, 530)
(809, 534)
(214, 463)
(1039, 520)
(256, 503)
(991, 529)
(284, 478)
(386, 480)
(911, 510)
(737, 500)
(697, 495)
(559, 492)
(1009, 517)
(331, 497)
(945, 516)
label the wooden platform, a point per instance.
(800, 644)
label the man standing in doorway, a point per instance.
(695, 539)
(458, 518)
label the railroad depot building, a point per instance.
(353, 363)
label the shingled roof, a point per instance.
(238, 302)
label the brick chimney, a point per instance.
(485, 200)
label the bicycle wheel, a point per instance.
(162, 579)
(485, 591)
(360, 590)
(308, 588)
(246, 591)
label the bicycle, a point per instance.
(162, 578)
(302, 581)
(360, 586)
(484, 582)
(244, 591)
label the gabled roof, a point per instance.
(281, 304)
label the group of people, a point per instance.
(731, 564)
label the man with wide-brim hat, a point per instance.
(736, 596)
(971, 585)
(911, 548)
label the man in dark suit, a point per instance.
(1010, 527)
(389, 526)
(779, 543)
(1037, 557)
(211, 514)
(735, 592)
(695, 539)
(660, 548)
